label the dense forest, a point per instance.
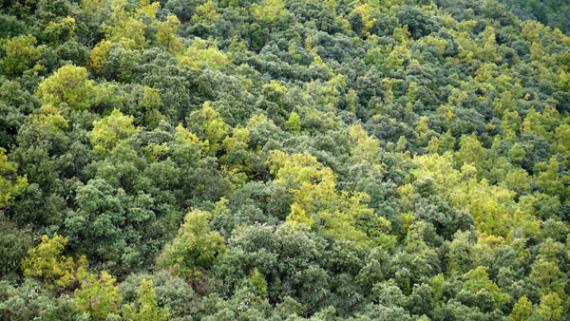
(322, 160)
(555, 13)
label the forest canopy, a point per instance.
(322, 160)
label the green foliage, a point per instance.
(293, 123)
(14, 243)
(477, 280)
(203, 54)
(317, 204)
(258, 281)
(99, 54)
(549, 12)
(522, 310)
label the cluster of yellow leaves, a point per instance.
(20, 53)
(97, 295)
(99, 54)
(269, 11)
(318, 205)
(11, 185)
(128, 26)
(493, 208)
(166, 35)
(206, 13)
(110, 130)
(148, 309)
(69, 85)
(203, 54)
(365, 148)
(194, 249)
(47, 262)
(185, 137)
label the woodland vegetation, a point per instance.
(322, 160)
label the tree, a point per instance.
(14, 242)
(100, 54)
(148, 309)
(166, 35)
(203, 54)
(257, 279)
(69, 85)
(11, 184)
(62, 30)
(461, 253)
(21, 54)
(206, 13)
(97, 296)
(121, 231)
(471, 152)
(477, 280)
(195, 249)
(318, 205)
(210, 125)
(128, 27)
(522, 310)
(293, 124)
(547, 276)
(110, 130)
(47, 262)
(269, 11)
(364, 147)
(550, 308)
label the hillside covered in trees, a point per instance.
(283, 160)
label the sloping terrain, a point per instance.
(282, 160)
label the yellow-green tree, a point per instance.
(478, 280)
(293, 123)
(206, 13)
(62, 30)
(110, 130)
(210, 125)
(11, 184)
(494, 208)
(98, 296)
(195, 248)
(20, 54)
(363, 146)
(147, 308)
(166, 35)
(550, 308)
(319, 206)
(203, 54)
(47, 262)
(128, 27)
(99, 54)
(522, 310)
(69, 85)
(269, 11)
